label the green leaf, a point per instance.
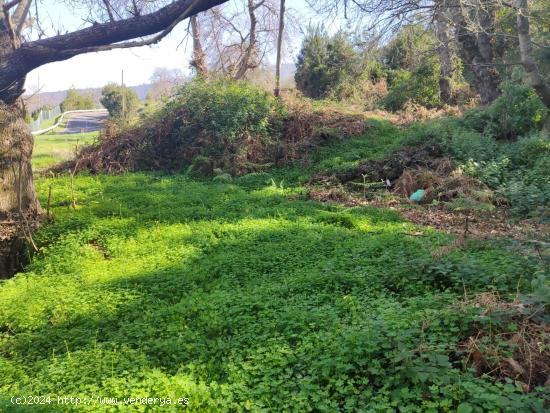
(464, 408)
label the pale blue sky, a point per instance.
(98, 69)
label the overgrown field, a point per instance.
(245, 295)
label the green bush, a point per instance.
(412, 69)
(420, 87)
(122, 102)
(518, 172)
(326, 65)
(517, 112)
(221, 120)
(465, 145)
(77, 101)
(530, 150)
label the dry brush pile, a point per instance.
(231, 126)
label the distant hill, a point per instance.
(55, 98)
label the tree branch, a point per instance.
(122, 30)
(20, 14)
(30, 55)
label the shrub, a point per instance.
(519, 171)
(122, 102)
(528, 151)
(326, 64)
(77, 101)
(515, 113)
(420, 87)
(466, 144)
(222, 120)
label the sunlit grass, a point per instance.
(246, 296)
(238, 297)
(52, 149)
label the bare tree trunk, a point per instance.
(477, 50)
(442, 31)
(198, 61)
(17, 195)
(18, 200)
(279, 48)
(19, 206)
(526, 50)
(249, 60)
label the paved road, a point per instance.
(85, 122)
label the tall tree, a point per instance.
(445, 37)
(536, 79)
(237, 37)
(475, 24)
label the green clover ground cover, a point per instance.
(244, 297)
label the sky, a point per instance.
(97, 69)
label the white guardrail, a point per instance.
(40, 132)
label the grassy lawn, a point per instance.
(52, 149)
(246, 296)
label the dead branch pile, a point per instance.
(443, 183)
(155, 144)
(427, 156)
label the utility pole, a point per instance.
(123, 99)
(280, 49)
(38, 93)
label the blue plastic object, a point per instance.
(418, 196)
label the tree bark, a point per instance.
(444, 50)
(198, 61)
(526, 51)
(19, 206)
(249, 60)
(17, 195)
(477, 51)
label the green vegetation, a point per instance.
(223, 119)
(77, 101)
(246, 297)
(122, 102)
(404, 71)
(518, 171)
(242, 294)
(383, 138)
(412, 70)
(325, 63)
(517, 112)
(52, 149)
(247, 253)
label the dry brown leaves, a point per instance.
(521, 354)
(479, 224)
